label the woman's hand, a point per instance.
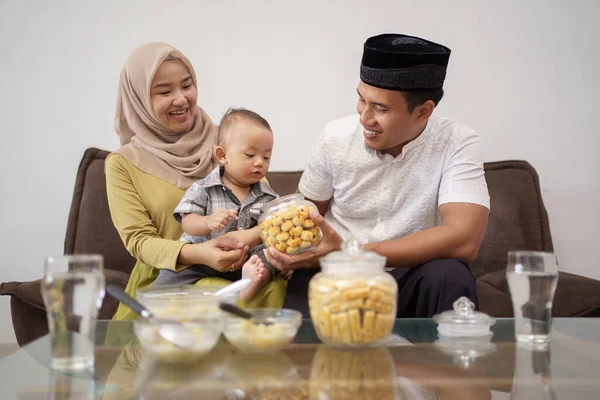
(331, 241)
(223, 254)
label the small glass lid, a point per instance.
(352, 252)
(463, 320)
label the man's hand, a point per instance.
(219, 219)
(331, 241)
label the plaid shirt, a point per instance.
(210, 194)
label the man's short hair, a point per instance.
(418, 97)
(232, 115)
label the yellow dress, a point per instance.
(141, 207)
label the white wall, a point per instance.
(523, 73)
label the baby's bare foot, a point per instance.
(254, 270)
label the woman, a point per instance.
(166, 144)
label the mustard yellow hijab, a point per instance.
(178, 158)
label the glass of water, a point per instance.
(73, 290)
(532, 277)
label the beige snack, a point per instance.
(290, 230)
(352, 311)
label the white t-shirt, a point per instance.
(380, 197)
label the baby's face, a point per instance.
(248, 150)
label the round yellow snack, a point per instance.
(294, 242)
(290, 213)
(291, 250)
(286, 226)
(274, 230)
(276, 221)
(306, 236)
(305, 244)
(270, 241)
(282, 236)
(298, 220)
(296, 231)
(280, 246)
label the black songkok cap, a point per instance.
(400, 62)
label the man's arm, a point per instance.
(459, 236)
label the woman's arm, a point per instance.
(140, 236)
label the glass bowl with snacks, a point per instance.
(353, 301)
(285, 224)
(267, 331)
(195, 306)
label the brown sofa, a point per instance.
(518, 220)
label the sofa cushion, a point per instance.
(518, 218)
(576, 296)
(90, 228)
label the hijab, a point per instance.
(178, 158)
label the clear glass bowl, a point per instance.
(182, 302)
(285, 224)
(207, 331)
(254, 336)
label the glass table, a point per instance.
(414, 364)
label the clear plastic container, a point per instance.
(285, 224)
(353, 300)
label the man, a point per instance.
(407, 184)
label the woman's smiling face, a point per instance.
(174, 95)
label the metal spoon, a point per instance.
(171, 330)
(235, 287)
(238, 312)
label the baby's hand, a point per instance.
(220, 218)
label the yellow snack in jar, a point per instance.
(270, 241)
(282, 236)
(266, 224)
(296, 231)
(380, 296)
(379, 307)
(276, 221)
(290, 250)
(274, 230)
(304, 211)
(306, 236)
(325, 326)
(286, 226)
(308, 223)
(368, 325)
(340, 331)
(294, 242)
(298, 221)
(383, 325)
(356, 293)
(315, 242)
(281, 246)
(316, 232)
(290, 212)
(347, 305)
(355, 327)
(305, 244)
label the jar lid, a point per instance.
(463, 320)
(352, 252)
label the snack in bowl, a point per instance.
(286, 225)
(206, 334)
(194, 306)
(268, 331)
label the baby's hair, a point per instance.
(232, 115)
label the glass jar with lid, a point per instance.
(285, 224)
(353, 301)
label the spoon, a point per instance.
(171, 330)
(235, 287)
(238, 312)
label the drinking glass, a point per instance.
(532, 277)
(73, 290)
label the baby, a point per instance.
(230, 198)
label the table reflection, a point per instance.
(533, 375)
